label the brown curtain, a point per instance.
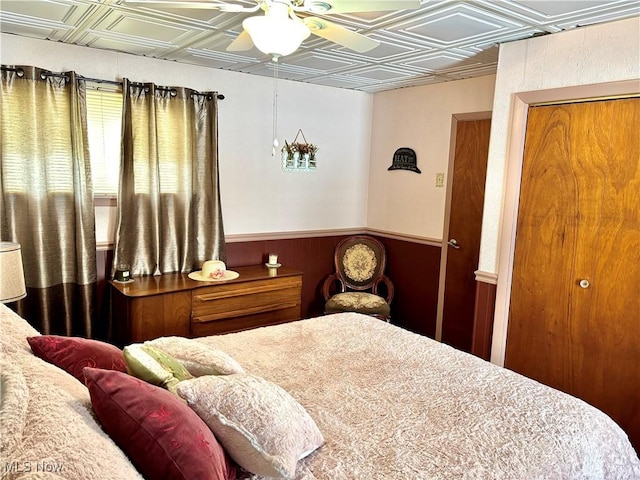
(47, 198)
(169, 212)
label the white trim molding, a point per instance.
(104, 246)
(486, 277)
(434, 242)
(266, 236)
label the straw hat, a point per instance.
(213, 271)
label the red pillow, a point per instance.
(162, 436)
(72, 354)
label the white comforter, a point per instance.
(395, 405)
(391, 405)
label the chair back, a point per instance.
(360, 261)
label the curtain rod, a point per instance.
(100, 80)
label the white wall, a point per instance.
(257, 196)
(405, 202)
(585, 62)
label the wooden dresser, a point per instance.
(173, 304)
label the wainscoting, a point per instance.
(413, 267)
(483, 319)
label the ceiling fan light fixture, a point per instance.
(275, 33)
(318, 7)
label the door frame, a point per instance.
(455, 118)
(510, 203)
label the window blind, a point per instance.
(104, 125)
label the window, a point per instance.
(104, 125)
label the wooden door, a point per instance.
(574, 320)
(465, 224)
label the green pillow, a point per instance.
(154, 366)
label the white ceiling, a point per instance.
(443, 40)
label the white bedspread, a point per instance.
(395, 405)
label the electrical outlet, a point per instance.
(440, 179)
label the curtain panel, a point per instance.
(46, 196)
(169, 211)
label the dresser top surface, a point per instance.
(175, 282)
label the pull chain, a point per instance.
(275, 106)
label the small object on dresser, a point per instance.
(122, 273)
(273, 261)
(213, 271)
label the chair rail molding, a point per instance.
(486, 277)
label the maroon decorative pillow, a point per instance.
(72, 354)
(162, 436)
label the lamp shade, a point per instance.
(12, 287)
(275, 33)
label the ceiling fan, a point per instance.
(280, 31)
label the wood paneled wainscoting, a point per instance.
(412, 264)
(414, 269)
(483, 315)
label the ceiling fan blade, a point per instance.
(354, 6)
(242, 43)
(201, 4)
(340, 35)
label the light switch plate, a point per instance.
(440, 179)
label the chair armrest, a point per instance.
(328, 283)
(388, 284)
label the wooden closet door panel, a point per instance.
(539, 324)
(613, 327)
(579, 219)
(589, 147)
(547, 232)
(622, 198)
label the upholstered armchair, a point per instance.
(359, 283)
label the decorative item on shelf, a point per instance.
(12, 286)
(405, 159)
(299, 156)
(273, 261)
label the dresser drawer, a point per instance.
(222, 302)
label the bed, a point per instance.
(390, 405)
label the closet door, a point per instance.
(574, 320)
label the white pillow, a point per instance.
(197, 358)
(263, 428)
